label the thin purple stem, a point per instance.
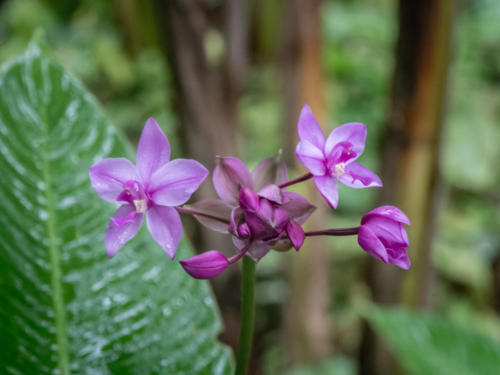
(198, 213)
(296, 181)
(334, 232)
(239, 254)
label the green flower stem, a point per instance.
(247, 316)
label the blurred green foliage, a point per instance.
(358, 39)
(92, 45)
(430, 345)
(336, 366)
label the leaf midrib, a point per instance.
(54, 254)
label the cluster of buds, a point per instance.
(255, 207)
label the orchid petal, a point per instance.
(261, 223)
(272, 193)
(215, 208)
(399, 258)
(256, 250)
(230, 174)
(237, 216)
(205, 265)
(118, 235)
(353, 133)
(153, 150)
(358, 176)
(391, 233)
(239, 243)
(309, 129)
(175, 182)
(327, 186)
(121, 221)
(404, 234)
(311, 157)
(266, 210)
(391, 212)
(267, 222)
(341, 153)
(108, 176)
(260, 227)
(298, 208)
(165, 226)
(295, 234)
(280, 219)
(249, 200)
(270, 171)
(371, 244)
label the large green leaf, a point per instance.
(430, 345)
(63, 304)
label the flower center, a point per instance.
(339, 169)
(140, 206)
(133, 193)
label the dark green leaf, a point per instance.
(64, 304)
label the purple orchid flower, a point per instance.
(333, 159)
(152, 187)
(260, 213)
(383, 235)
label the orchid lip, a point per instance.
(135, 194)
(121, 221)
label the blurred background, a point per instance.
(229, 77)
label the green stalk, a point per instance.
(247, 316)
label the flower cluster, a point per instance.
(255, 207)
(257, 211)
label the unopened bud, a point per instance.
(244, 231)
(206, 265)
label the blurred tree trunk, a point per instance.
(410, 158)
(306, 319)
(206, 47)
(495, 271)
(208, 65)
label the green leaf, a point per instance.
(335, 365)
(65, 307)
(426, 344)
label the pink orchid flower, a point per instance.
(333, 159)
(151, 188)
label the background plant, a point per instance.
(133, 81)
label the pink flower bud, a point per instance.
(206, 265)
(383, 235)
(244, 231)
(249, 200)
(295, 234)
